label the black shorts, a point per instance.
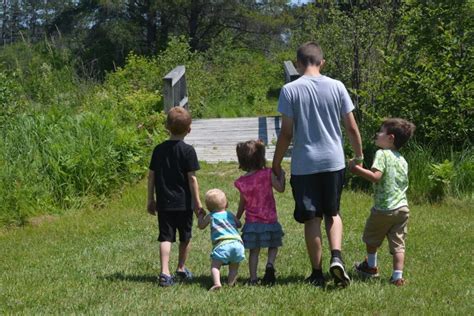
(317, 194)
(170, 221)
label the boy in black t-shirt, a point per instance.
(173, 182)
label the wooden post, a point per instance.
(290, 71)
(175, 92)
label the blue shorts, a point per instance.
(229, 252)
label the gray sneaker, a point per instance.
(338, 272)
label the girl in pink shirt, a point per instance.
(261, 229)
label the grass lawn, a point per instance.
(106, 261)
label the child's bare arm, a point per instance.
(151, 202)
(278, 183)
(194, 187)
(373, 175)
(203, 220)
(240, 210)
(238, 223)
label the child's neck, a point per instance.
(251, 172)
(313, 71)
(219, 210)
(393, 148)
(177, 137)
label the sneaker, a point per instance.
(317, 281)
(338, 272)
(398, 282)
(166, 280)
(364, 270)
(185, 275)
(269, 276)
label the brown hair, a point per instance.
(402, 130)
(178, 121)
(215, 200)
(310, 53)
(251, 155)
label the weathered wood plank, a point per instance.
(215, 139)
(174, 89)
(290, 71)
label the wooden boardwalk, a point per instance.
(215, 139)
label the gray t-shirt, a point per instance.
(316, 104)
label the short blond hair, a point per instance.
(215, 200)
(178, 121)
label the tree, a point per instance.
(430, 78)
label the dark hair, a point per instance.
(251, 155)
(178, 121)
(402, 130)
(309, 53)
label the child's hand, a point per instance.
(200, 212)
(354, 165)
(151, 207)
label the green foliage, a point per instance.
(44, 74)
(51, 163)
(239, 81)
(429, 80)
(60, 153)
(441, 177)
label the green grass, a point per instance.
(105, 260)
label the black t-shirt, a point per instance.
(171, 161)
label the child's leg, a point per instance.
(312, 236)
(253, 263)
(334, 228)
(272, 253)
(398, 260)
(184, 247)
(233, 270)
(269, 276)
(371, 255)
(398, 263)
(184, 226)
(216, 274)
(165, 249)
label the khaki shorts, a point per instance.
(392, 224)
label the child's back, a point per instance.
(390, 191)
(257, 191)
(171, 161)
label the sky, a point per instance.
(297, 2)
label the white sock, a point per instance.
(372, 259)
(397, 274)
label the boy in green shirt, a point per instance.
(389, 215)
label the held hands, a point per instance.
(354, 165)
(200, 212)
(151, 207)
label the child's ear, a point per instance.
(391, 137)
(227, 205)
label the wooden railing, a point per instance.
(175, 92)
(290, 71)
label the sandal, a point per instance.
(185, 275)
(166, 280)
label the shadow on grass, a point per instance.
(119, 276)
(204, 281)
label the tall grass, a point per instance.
(437, 173)
(51, 163)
